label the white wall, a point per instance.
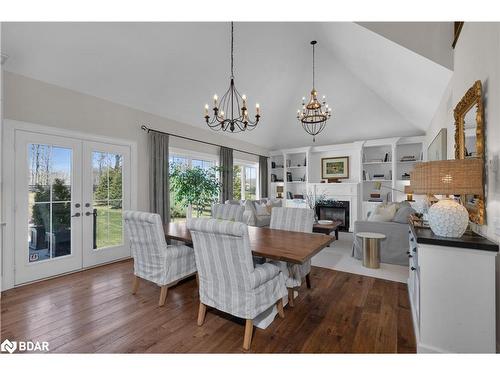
(477, 57)
(38, 102)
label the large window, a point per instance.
(188, 159)
(245, 181)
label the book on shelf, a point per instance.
(408, 158)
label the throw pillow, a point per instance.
(403, 215)
(261, 209)
(383, 212)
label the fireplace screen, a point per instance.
(336, 211)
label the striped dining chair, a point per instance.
(231, 212)
(228, 279)
(296, 220)
(154, 260)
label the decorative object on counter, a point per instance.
(289, 195)
(335, 168)
(228, 115)
(289, 176)
(447, 217)
(314, 114)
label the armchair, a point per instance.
(154, 260)
(228, 279)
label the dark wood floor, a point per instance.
(94, 311)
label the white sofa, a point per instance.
(252, 216)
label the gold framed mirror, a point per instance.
(469, 142)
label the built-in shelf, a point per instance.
(296, 182)
(296, 167)
(376, 162)
(409, 161)
(377, 181)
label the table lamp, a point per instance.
(409, 193)
(447, 217)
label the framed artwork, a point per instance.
(335, 168)
(437, 148)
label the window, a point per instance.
(245, 181)
(188, 159)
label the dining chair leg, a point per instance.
(202, 311)
(290, 297)
(279, 306)
(135, 285)
(247, 340)
(308, 281)
(163, 295)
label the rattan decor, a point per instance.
(457, 177)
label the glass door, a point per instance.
(70, 195)
(48, 206)
(106, 194)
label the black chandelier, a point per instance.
(233, 105)
(314, 114)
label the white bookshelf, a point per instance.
(392, 160)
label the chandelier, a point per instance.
(231, 112)
(314, 114)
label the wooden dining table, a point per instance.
(292, 247)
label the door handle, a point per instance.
(88, 213)
(76, 215)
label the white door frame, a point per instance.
(8, 149)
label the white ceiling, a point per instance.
(376, 87)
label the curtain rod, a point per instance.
(147, 130)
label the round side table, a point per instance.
(371, 248)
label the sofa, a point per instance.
(255, 214)
(394, 247)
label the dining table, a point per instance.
(275, 244)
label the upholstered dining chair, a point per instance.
(231, 212)
(154, 260)
(296, 220)
(228, 279)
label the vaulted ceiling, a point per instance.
(376, 86)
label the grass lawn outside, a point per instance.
(109, 226)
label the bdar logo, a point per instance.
(8, 346)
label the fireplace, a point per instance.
(334, 210)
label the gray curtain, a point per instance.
(263, 176)
(226, 173)
(159, 192)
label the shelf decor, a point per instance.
(314, 114)
(335, 168)
(231, 113)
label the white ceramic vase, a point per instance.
(448, 218)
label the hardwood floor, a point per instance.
(95, 311)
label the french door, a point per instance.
(69, 199)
